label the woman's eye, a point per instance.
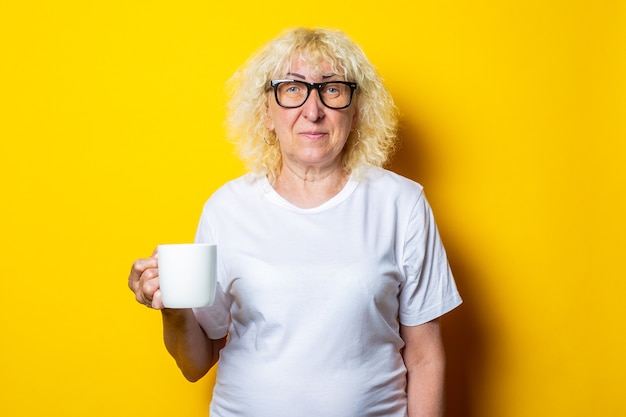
(333, 90)
(292, 89)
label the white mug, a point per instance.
(187, 274)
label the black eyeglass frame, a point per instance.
(318, 86)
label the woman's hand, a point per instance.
(144, 281)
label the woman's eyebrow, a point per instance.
(296, 75)
(293, 74)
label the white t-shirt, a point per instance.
(311, 299)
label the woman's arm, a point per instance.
(424, 358)
(188, 344)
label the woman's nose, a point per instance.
(313, 108)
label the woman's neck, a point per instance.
(309, 187)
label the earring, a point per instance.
(358, 138)
(270, 143)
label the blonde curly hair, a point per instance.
(375, 136)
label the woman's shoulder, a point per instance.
(235, 190)
(241, 183)
(387, 181)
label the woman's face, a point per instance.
(312, 135)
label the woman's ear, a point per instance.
(355, 119)
(269, 121)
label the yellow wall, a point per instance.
(111, 139)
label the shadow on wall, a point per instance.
(463, 332)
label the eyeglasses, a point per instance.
(293, 93)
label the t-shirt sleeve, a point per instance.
(214, 319)
(429, 290)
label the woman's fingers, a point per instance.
(144, 282)
(157, 301)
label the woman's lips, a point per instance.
(313, 135)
